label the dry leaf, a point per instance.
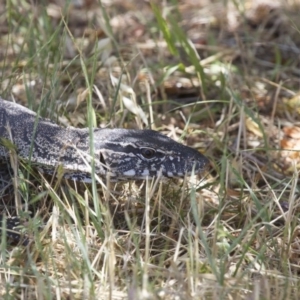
(253, 127)
(292, 132)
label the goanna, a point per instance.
(118, 154)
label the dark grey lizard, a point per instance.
(121, 154)
(118, 154)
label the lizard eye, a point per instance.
(148, 152)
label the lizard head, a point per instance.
(127, 154)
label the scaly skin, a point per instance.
(121, 154)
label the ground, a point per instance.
(219, 76)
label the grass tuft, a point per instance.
(222, 78)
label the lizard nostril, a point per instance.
(193, 160)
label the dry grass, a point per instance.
(225, 80)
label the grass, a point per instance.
(222, 78)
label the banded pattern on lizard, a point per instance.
(121, 154)
(117, 154)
